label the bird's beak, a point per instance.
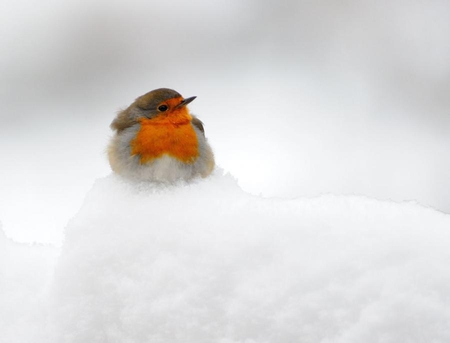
(185, 102)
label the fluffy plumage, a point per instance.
(157, 139)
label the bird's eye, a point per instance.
(163, 108)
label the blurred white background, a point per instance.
(299, 98)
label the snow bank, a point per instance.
(25, 272)
(206, 262)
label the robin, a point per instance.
(157, 139)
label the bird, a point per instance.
(156, 138)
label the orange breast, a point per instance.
(165, 135)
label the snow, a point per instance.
(207, 262)
(25, 273)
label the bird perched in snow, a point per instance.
(157, 139)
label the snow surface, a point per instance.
(207, 262)
(25, 273)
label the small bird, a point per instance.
(157, 139)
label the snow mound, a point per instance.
(206, 262)
(25, 272)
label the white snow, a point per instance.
(207, 262)
(25, 273)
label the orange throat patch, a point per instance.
(171, 135)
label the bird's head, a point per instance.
(158, 104)
(161, 102)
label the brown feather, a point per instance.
(122, 121)
(198, 124)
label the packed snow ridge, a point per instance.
(206, 262)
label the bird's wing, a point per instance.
(122, 121)
(198, 124)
